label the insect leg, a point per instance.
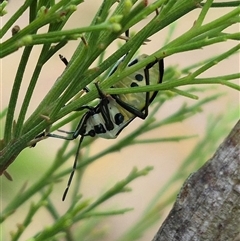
(60, 137)
(45, 134)
(144, 112)
(146, 73)
(104, 109)
(129, 108)
(132, 109)
(147, 101)
(127, 34)
(161, 70)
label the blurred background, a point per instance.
(102, 174)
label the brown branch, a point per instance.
(208, 205)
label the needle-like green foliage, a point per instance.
(112, 20)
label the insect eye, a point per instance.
(99, 129)
(91, 133)
(119, 118)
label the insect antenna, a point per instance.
(63, 59)
(73, 169)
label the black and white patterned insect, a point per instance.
(115, 112)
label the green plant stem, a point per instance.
(15, 93)
(54, 213)
(225, 4)
(180, 115)
(198, 30)
(72, 89)
(20, 199)
(215, 61)
(203, 13)
(14, 42)
(65, 220)
(78, 68)
(64, 98)
(184, 93)
(14, 17)
(164, 139)
(28, 219)
(29, 93)
(138, 40)
(45, 54)
(57, 36)
(189, 80)
(32, 11)
(116, 189)
(3, 112)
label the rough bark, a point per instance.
(208, 205)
